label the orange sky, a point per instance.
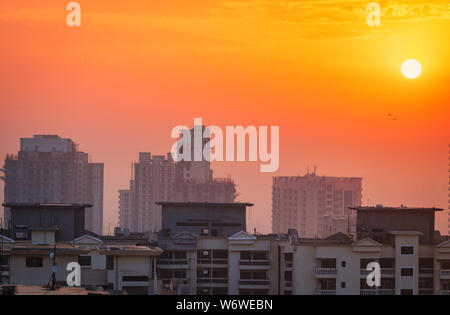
(135, 69)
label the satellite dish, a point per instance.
(54, 269)
(51, 255)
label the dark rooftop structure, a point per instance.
(377, 222)
(66, 220)
(203, 218)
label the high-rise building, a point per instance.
(50, 169)
(162, 179)
(317, 206)
(153, 179)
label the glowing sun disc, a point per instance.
(411, 68)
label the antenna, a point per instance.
(52, 284)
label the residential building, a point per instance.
(208, 252)
(50, 169)
(45, 234)
(156, 178)
(316, 206)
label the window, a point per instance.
(406, 292)
(364, 262)
(407, 250)
(288, 257)
(328, 263)
(407, 272)
(220, 273)
(260, 256)
(110, 262)
(246, 255)
(4, 260)
(34, 262)
(85, 261)
(205, 232)
(388, 263)
(179, 255)
(179, 274)
(288, 275)
(134, 278)
(220, 254)
(343, 264)
(343, 284)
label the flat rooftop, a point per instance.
(203, 204)
(46, 205)
(403, 208)
(37, 290)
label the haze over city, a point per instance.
(120, 83)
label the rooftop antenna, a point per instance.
(52, 284)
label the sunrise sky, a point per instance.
(118, 84)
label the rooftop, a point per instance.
(46, 205)
(203, 204)
(401, 208)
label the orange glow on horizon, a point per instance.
(118, 85)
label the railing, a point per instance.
(445, 292)
(254, 262)
(364, 272)
(254, 282)
(387, 271)
(326, 271)
(172, 262)
(368, 292)
(325, 292)
(212, 280)
(386, 291)
(426, 291)
(445, 272)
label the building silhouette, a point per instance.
(316, 206)
(50, 169)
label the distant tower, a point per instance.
(50, 169)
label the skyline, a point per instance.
(109, 225)
(119, 84)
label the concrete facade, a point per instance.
(50, 169)
(316, 206)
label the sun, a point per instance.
(411, 68)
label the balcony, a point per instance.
(368, 292)
(445, 292)
(326, 271)
(386, 291)
(254, 283)
(172, 263)
(254, 262)
(445, 273)
(325, 292)
(388, 271)
(426, 291)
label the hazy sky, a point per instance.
(135, 69)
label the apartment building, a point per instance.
(161, 179)
(41, 232)
(241, 264)
(399, 239)
(338, 267)
(208, 252)
(50, 169)
(316, 206)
